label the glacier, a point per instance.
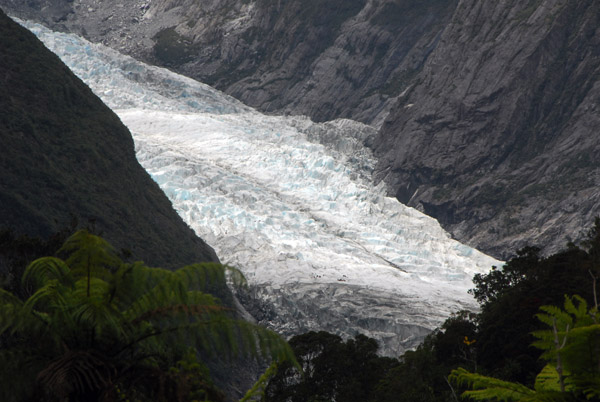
(289, 202)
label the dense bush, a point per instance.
(90, 327)
(331, 370)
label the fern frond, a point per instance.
(49, 296)
(199, 276)
(177, 310)
(94, 318)
(586, 332)
(89, 252)
(128, 283)
(548, 396)
(44, 269)
(562, 318)
(96, 314)
(236, 277)
(7, 297)
(546, 319)
(76, 372)
(588, 384)
(159, 296)
(488, 388)
(98, 289)
(580, 311)
(257, 392)
(548, 380)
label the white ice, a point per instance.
(289, 202)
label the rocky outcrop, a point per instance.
(66, 156)
(324, 59)
(497, 137)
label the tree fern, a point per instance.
(92, 321)
(572, 348)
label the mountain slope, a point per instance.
(498, 135)
(325, 59)
(67, 156)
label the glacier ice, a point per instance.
(289, 202)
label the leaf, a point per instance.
(76, 372)
(485, 388)
(45, 269)
(257, 392)
(588, 384)
(548, 379)
(89, 254)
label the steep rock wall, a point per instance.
(498, 136)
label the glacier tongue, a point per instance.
(289, 202)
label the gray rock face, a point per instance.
(324, 59)
(498, 136)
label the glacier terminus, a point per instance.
(289, 202)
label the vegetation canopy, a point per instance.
(92, 328)
(571, 348)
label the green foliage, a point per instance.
(257, 392)
(572, 345)
(495, 345)
(93, 327)
(190, 380)
(419, 377)
(17, 251)
(547, 380)
(488, 287)
(511, 296)
(351, 371)
(492, 389)
(572, 349)
(488, 388)
(331, 370)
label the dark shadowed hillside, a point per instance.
(66, 156)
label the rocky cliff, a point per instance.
(66, 156)
(498, 135)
